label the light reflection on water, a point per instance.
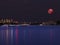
(29, 35)
(6, 35)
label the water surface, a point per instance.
(29, 35)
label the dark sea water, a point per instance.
(29, 35)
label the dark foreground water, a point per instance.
(29, 35)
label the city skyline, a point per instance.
(30, 10)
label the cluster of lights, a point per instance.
(8, 21)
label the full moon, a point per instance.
(50, 11)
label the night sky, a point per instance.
(29, 10)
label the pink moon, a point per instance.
(50, 11)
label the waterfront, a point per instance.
(29, 35)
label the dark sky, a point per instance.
(30, 10)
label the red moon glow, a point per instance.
(50, 11)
